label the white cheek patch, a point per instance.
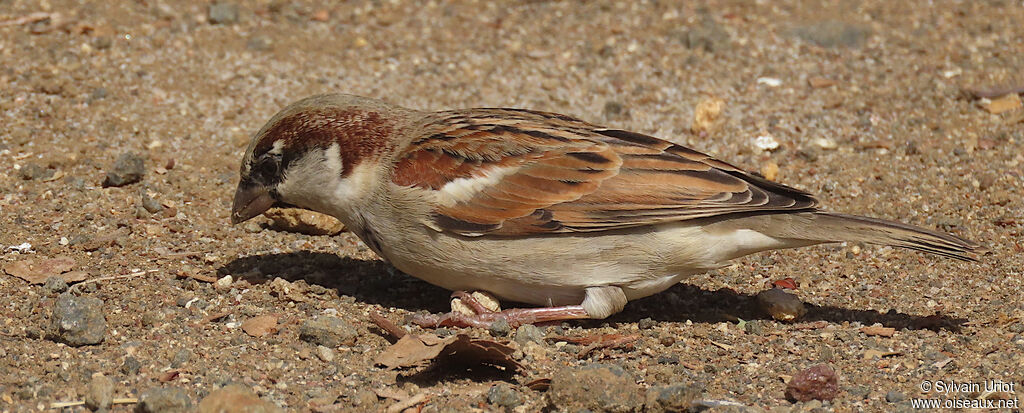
(277, 147)
(333, 159)
(464, 189)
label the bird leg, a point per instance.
(600, 302)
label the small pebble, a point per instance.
(33, 171)
(77, 321)
(328, 331)
(150, 204)
(181, 357)
(672, 398)
(55, 285)
(504, 395)
(895, 397)
(224, 282)
(325, 353)
(500, 328)
(781, 305)
(128, 169)
(527, 333)
(646, 324)
(131, 366)
(223, 13)
(815, 383)
(164, 400)
(100, 393)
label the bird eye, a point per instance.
(267, 167)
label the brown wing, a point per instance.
(515, 172)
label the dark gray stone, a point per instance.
(672, 398)
(150, 204)
(500, 328)
(527, 333)
(895, 397)
(31, 171)
(128, 169)
(504, 395)
(55, 285)
(328, 331)
(164, 400)
(77, 321)
(131, 366)
(646, 324)
(181, 357)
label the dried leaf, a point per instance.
(412, 350)
(168, 376)
(260, 326)
(36, 272)
(391, 393)
(417, 350)
(541, 384)
(878, 331)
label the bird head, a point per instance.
(312, 154)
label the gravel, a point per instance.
(881, 135)
(77, 321)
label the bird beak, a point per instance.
(250, 201)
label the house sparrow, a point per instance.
(534, 207)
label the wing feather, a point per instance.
(516, 172)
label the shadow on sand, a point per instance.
(375, 282)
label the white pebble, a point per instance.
(825, 143)
(766, 143)
(769, 81)
(225, 281)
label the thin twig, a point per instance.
(61, 405)
(111, 278)
(994, 92)
(30, 18)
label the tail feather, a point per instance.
(841, 227)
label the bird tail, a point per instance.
(833, 227)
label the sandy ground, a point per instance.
(865, 101)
